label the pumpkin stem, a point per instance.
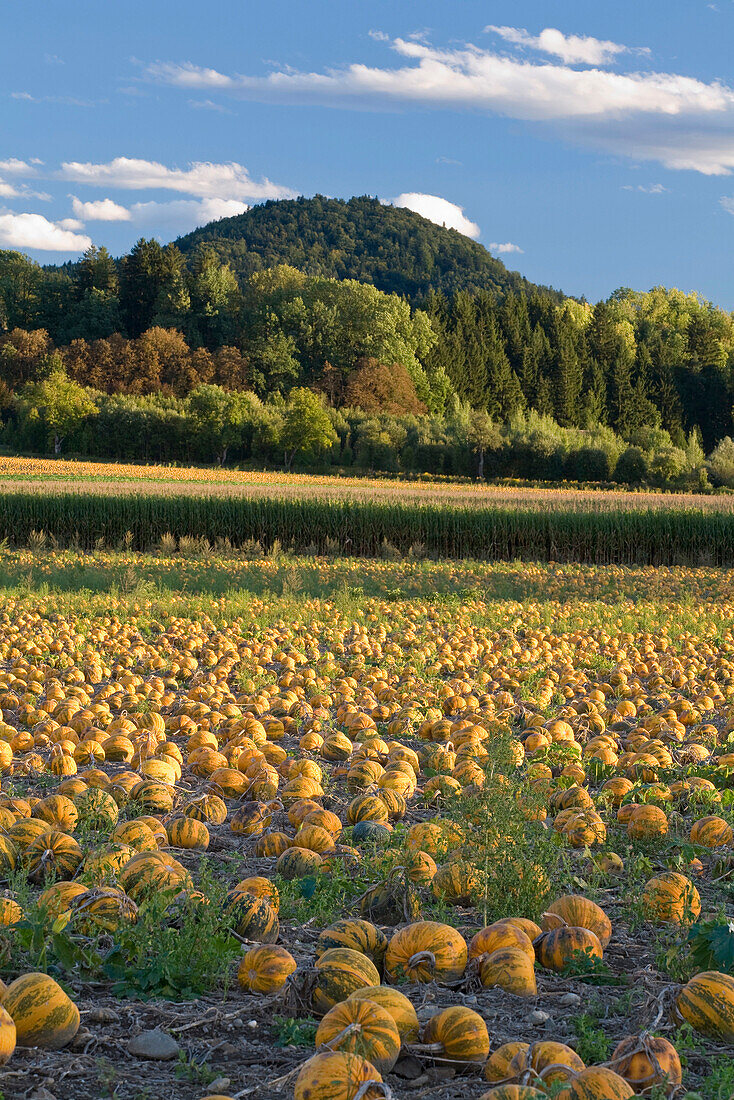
(379, 1085)
(422, 957)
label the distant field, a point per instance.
(49, 475)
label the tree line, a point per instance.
(652, 371)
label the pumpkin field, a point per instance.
(340, 828)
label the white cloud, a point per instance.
(677, 120)
(572, 49)
(653, 189)
(438, 210)
(728, 203)
(36, 232)
(102, 210)
(209, 105)
(65, 100)
(204, 179)
(183, 215)
(70, 223)
(504, 248)
(18, 167)
(7, 191)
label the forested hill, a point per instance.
(393, 248)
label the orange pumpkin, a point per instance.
(460, 1033)
(361, 1027)
(426, 951)
(647, 1062)
(576, 911)
(338, 1075)
(265, 969)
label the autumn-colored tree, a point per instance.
(21, 354)
(331, 382)
(231, 369)
(377, 387)
(163, 359)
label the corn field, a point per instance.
(368, 528)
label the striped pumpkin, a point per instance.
(510, 969)
(97, 809)
(42, 1013)
(539, 1057)
(556, 949)
(209, 808)
(597, 1083)
(146, 875)
(341, 971)
(8, 856)
(460, 1033)
(711, 832)
(187, 832)
(261, 887)
(457, 883)
(265, 969)
(58, 811)
(272, 844)
(707, 1004)
(153, 797)
(102, 910)
(497, 1067)
(314, 838)
(137, 835)
(420, 867)
(251, 917)
(10, 912)
(397, 1004)
(500, 935)
(361, 1027)
(576, 911)
(8, 1036)
(25, 831)
(337, 1075)
(670, 898)
(54, 854)
(646, 1061)
(426, 951)
(104, 864)
(57, 898)
(298, 863)
(357, 935)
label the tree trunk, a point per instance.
(58, 440)
(480, 470)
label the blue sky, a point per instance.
(593, 142)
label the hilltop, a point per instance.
(361, 238)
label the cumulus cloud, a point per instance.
(183, 215)
(504, 248)
(678, 120)
(102, 210)
(36, 232)
(70, 223)
(438, 210)
(203, 179)
(13, 166)
(7, 191)
(572, 49)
